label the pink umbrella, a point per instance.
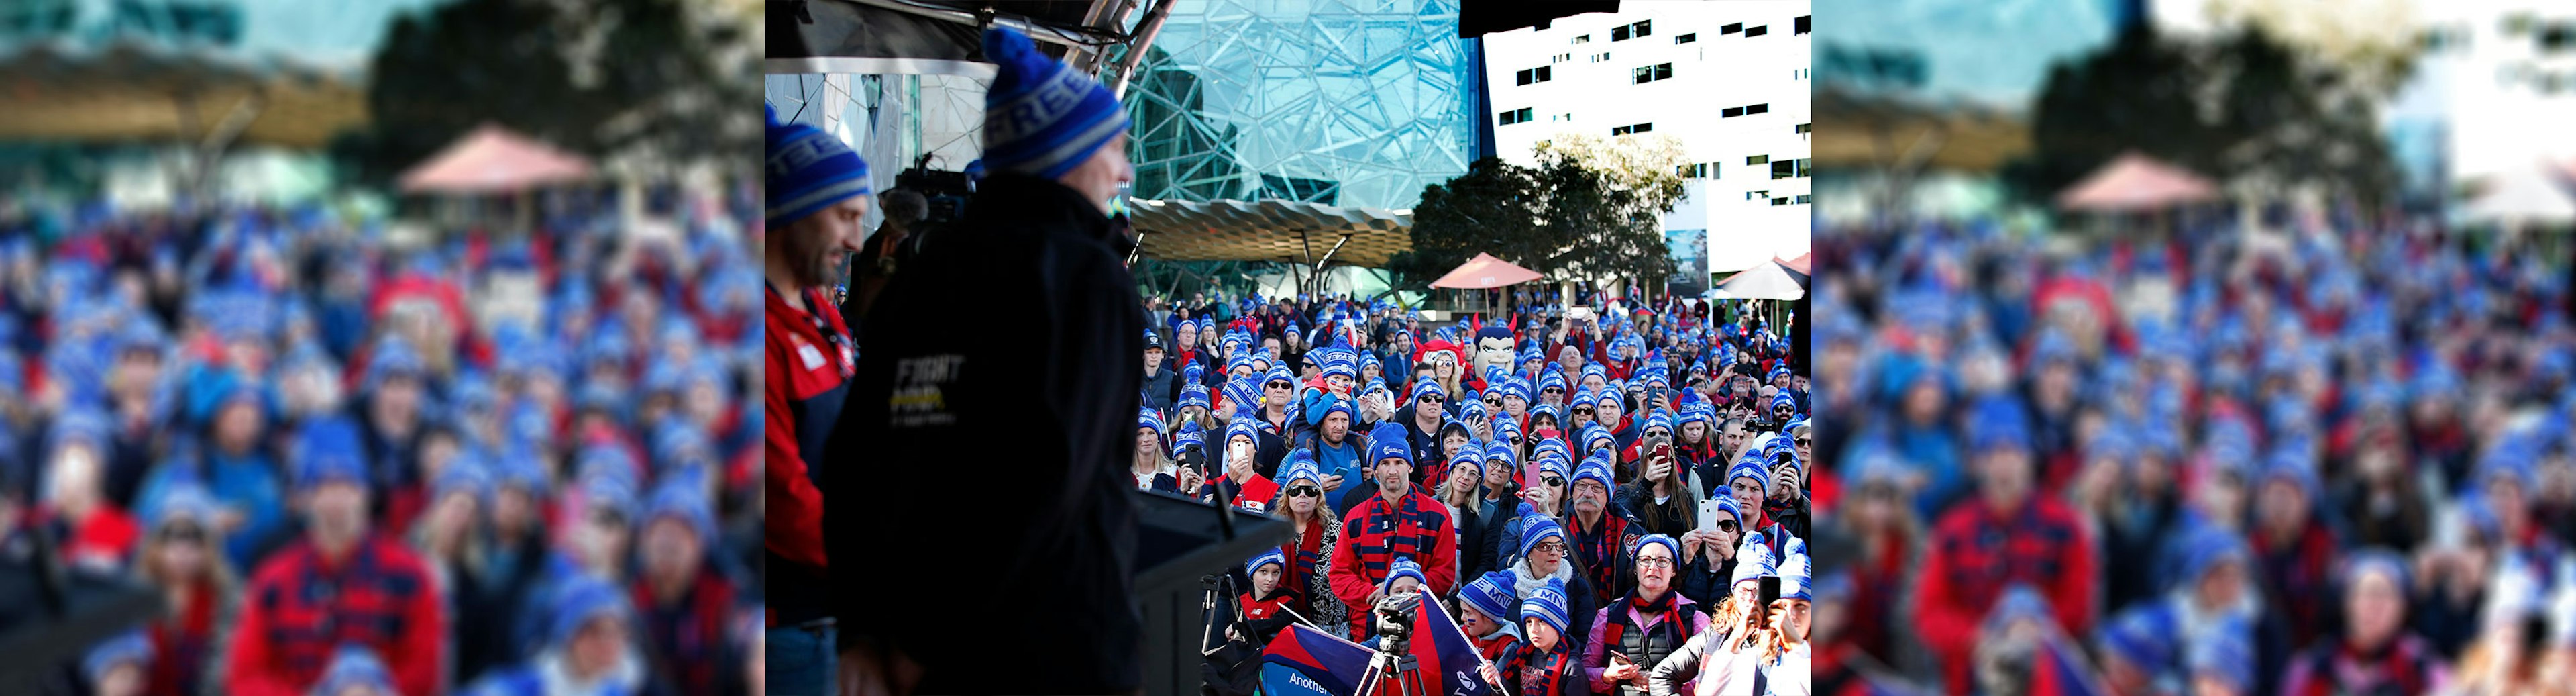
(1485, 272)
(2136, 182)
(492, 159)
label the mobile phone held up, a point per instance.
(1770, 590)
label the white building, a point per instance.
(1730, 80)
(2499, 78)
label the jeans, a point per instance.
(802, 661)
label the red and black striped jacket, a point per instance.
(1375, 534)
(689, 638)
(301, 607)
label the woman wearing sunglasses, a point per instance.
(1708, 556)
(1309, 550)
(181, 556)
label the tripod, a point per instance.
(1394, 661)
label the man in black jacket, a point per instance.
(930, 388)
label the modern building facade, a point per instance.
(1730, 80)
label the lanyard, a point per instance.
(847, 353)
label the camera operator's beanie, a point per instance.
(1752, 560)
(1490, 594)
(1547, 603)
(1042, 117)
(1750, 466)
(1269, 556)
(809, 170)
(1536, 528)
(1403, 566)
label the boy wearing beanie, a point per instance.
(1036, 236)
(1545, 666)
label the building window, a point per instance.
(1731, 28)
(1757, 109)
(1625, 130)
(1619, 33)
(1805, 169)
(1560, 58)
(1694, 171)
(1686, 38)
(1803, 127)
(1600, 57)
(1537, 74)
(1784, 169)
(1649, 73)
(1750, 32)
(1516, 116)
(1800, 26)
(1806, 198)
(1586, 38)
(1779, 201)
(1757, 159)
(1663, 71)
(1632, 31)
(1731, 112)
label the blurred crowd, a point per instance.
(2307, 453)
(1544, 475)
(481, 463)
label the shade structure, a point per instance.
(2545, 193)
(1485, 272)
(1764, 282)
(1269, 230)
(493, 159)
(2135, 182)
(1799, 264)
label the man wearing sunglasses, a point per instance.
(1397, 522)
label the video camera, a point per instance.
(1395, 615)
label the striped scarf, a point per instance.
(1544, 672)
(1599, 549)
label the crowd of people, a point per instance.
(2315, 453)
(1601, 500)
(488, 463)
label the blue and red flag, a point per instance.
(1441, 647)
(2059, 669)
(1325, 662)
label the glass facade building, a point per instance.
(1342, 102)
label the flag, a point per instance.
(2058, 670)
(1441, 647)
(1328, 663)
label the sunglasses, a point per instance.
(1435, 398)
(1726, 526)
(1806, 441)
(1304, 491)
(1552, 390)
(1496, 403)
(1584, 411)
(185, 534)
(1280, 385)
(1552, 481)
(1549, 547)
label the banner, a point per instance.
(1689, 250)
(1439, 645)
(1331, 664)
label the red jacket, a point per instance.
(1375, 534)
(301, 607)
(1976, 553)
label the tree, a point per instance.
(1562, 219)
(1607, 199)
(604, 78)
(1491, 209)
(2239, 106)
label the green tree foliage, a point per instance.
(1562, 219)
(2240, 107)
(602, 78)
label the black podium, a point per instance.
(1180, 541)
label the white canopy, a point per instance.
(1767, 281)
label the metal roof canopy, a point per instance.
(1269, 230)
(129, 91)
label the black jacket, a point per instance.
(932, 389)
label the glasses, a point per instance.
(1496, 403)
(1552, 390)
(1549, 547)
(1582, 411)
(184, 534)
(1279, 384)
(1806, 441)
(1654, 562)
(1435, 398)
(1552, 481)
(1728, 527)
(1304, 491)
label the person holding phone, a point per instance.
(1646, 626)
(1660, 498)
(1461, 491)
(1726, 658)
(1242, 482)
(1708, 552)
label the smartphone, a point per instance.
(1769, 589)
(1622, 657)
(1662, 449)
(1708, 513)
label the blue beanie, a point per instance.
(582, 598)
(684, 502)
(1726, 504)
(1149, 419)
(2142, 637)
(1549, 410)
(1675, 547)
(1750, 465)
(1594, 432)
(2375, 559)
(1389, 442)
(1042, 117)
(1551, 464)
(1300, 465)
(1536, 528)
(1427, 387)
(1335, 404)
(1752, 560)
(809, 170)
(518, 467)
(1547, 603)
(1189, 434)
(128, 648)
(1194, 395)
(1468, 456)
(1402, 567)
(1503, 451)
(1795, 578)
(1490, 594)
(2223, 651)
(329, 449)
(465, 473)
(1244, 425)
(609, 493)
(1268, 556)
(2205, 548)
(1595, 467)
(355, 665)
